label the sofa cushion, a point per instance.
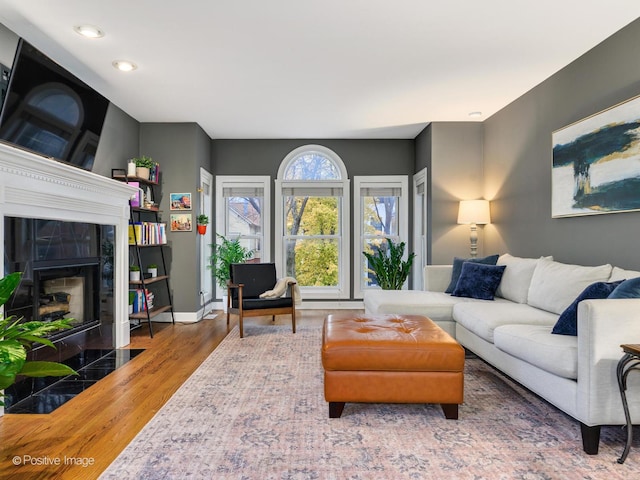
(627, 289)
(438, 306)
(555, 285)
(478, 281)
(515, 282)
(618, 273)
(567, 324)
(457, 268)
(483, 317)
(557, 354)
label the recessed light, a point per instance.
(475, 114)
(124, 65)
(89, 31)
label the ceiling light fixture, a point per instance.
(89, 31)
(475, 114)
(124, 65)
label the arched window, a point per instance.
(312, 222)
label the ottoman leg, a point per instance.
(335, 409)
(450, 410)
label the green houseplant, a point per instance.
(201, 223)
(224, 254)
(18, 338)
(144, 165)
(134, 273)
(388, 267)
(144, 161)
(152, 269)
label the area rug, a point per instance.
(255, 410)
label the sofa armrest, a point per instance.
(604, 325)
(437, 277)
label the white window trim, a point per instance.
(206, 278)
(420, 227)
(341, 291)
(369, 181)
(259, 181)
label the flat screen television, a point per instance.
(50, 111)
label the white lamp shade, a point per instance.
(474, 211)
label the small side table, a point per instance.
(629, 361)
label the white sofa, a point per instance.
(577, 374)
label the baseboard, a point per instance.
(193, 317)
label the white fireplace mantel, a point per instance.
(33, 186)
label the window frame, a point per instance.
(380, 181)
(247, 181)
(342, 290)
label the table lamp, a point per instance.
(474, 213)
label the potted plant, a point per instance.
(18, 338)
(202, 220)
(152, 269)
(143, 166)
(134, 273)
(389, 269)
(224, 254)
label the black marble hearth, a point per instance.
(44, 395)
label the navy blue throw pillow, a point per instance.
(627, 289)
(478, 280)
(457, 268)
(567, 324)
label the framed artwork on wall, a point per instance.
(596, 163)
(180, 201)
(181, 222)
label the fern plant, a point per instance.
(387, 266)
(17, 338)
(224, 254)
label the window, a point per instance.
(312, 222)
(382, 212)
(243, 211)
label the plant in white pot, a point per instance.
(152, 269)
(134, 273)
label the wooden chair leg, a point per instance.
(240, 326)
(293, 320)
(273, 318)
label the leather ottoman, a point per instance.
(390, 359)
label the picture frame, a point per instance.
(181, 222)
(596, 163)
(180, 201)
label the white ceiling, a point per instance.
(316, 68)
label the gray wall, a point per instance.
(361, 157)
(452, 154)
(180, 149)
(8, 45)
(518, 155)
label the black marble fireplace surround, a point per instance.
(67, 273)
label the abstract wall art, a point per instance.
(596, 163)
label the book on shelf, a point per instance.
(154, 173)
(147, 233)
(138, 303)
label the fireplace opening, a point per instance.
(67, 272)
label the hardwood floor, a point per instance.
(81, 438)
